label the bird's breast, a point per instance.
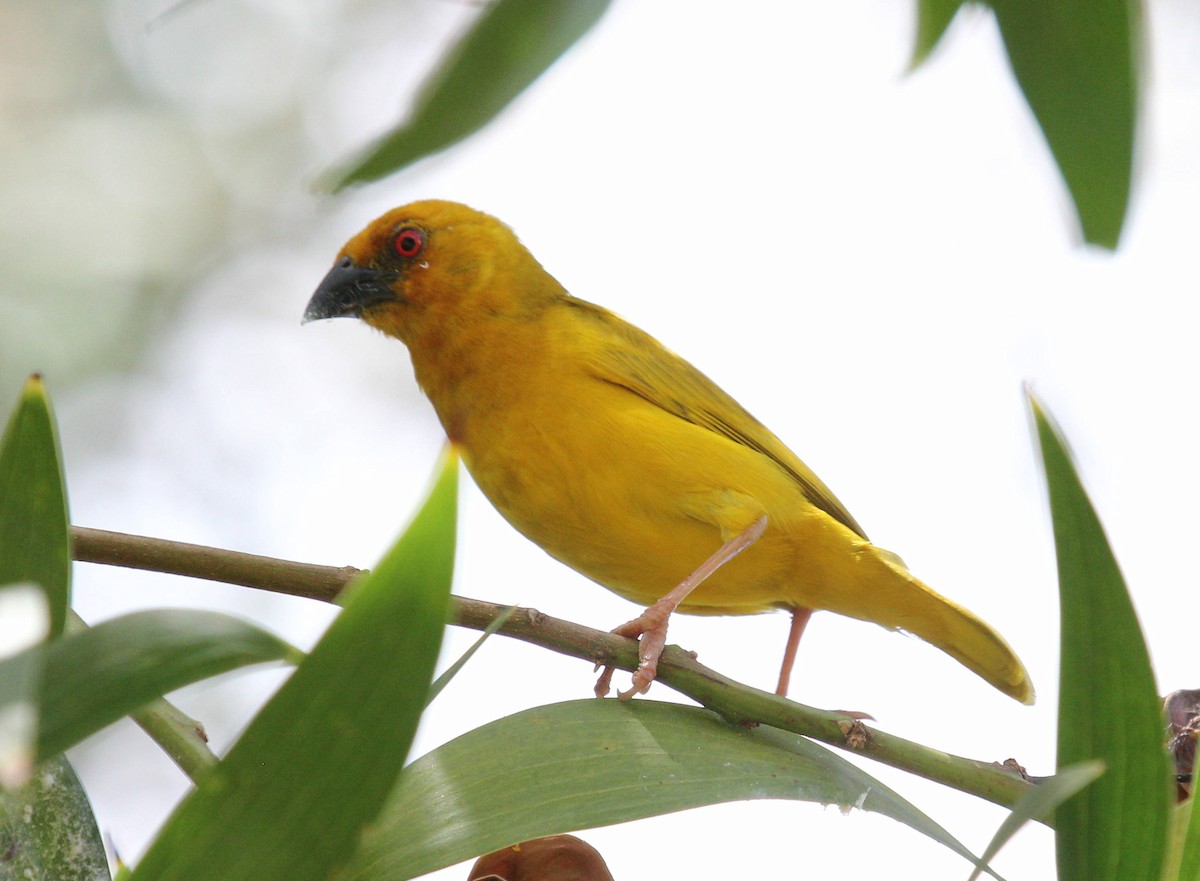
(631, 496)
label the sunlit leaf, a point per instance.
(1108, 707)
(510, 45)
(587, 763)
(294, 795)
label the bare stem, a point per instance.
(180, 737)
(736, 702)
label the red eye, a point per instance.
(409, 242)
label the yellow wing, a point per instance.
(631, 359)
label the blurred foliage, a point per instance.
(143, 140)
(509, 46)
(96, 676)
(47, 830)
(293, 797)
(1078, 63)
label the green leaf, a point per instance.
(933, 18)
(295, 793)
(510, 45)
(1183, 859)
(1108, 707)
(48, 831)
(442, 681)
(1039, 804)
(33, 503)
(587, 763)
(94, 677)
(1077, 61)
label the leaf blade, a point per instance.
(588, 763)
(34, 538)
(510, 45)
(48, 830)
(95, 676)
(293, 796)
(1108, 704)
(1077, 63)
(933, 19)
(1039, 803)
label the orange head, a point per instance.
(427, 267)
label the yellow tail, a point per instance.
(897, 600)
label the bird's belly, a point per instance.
(639, 510)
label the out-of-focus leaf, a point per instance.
(1183, 851)
(1108, 707)
(933, 17)
(1077, 61)
(33, 503)
(510, 45)
(94, 677)
(296, 792)
(25, 619)
(47, 830)
(587, 763)
(1039, 803)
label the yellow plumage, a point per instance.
(612, 453)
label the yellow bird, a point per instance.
(620, 458)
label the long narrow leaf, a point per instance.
(94, 677)
(510, 45)
(1183, 859)
(33, 503)
(1039, 804)
(588, 763)
(1077, 61)
(442, 681)
(296, 792)
(1108, 706)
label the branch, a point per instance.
(736, 702)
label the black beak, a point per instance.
(347, 290)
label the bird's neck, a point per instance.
(471, 372)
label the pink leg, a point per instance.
(799, 622)
(651, 625)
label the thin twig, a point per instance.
(736, 702)
(211, 564)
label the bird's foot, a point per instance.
(651, 626)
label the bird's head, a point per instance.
(429, 266)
